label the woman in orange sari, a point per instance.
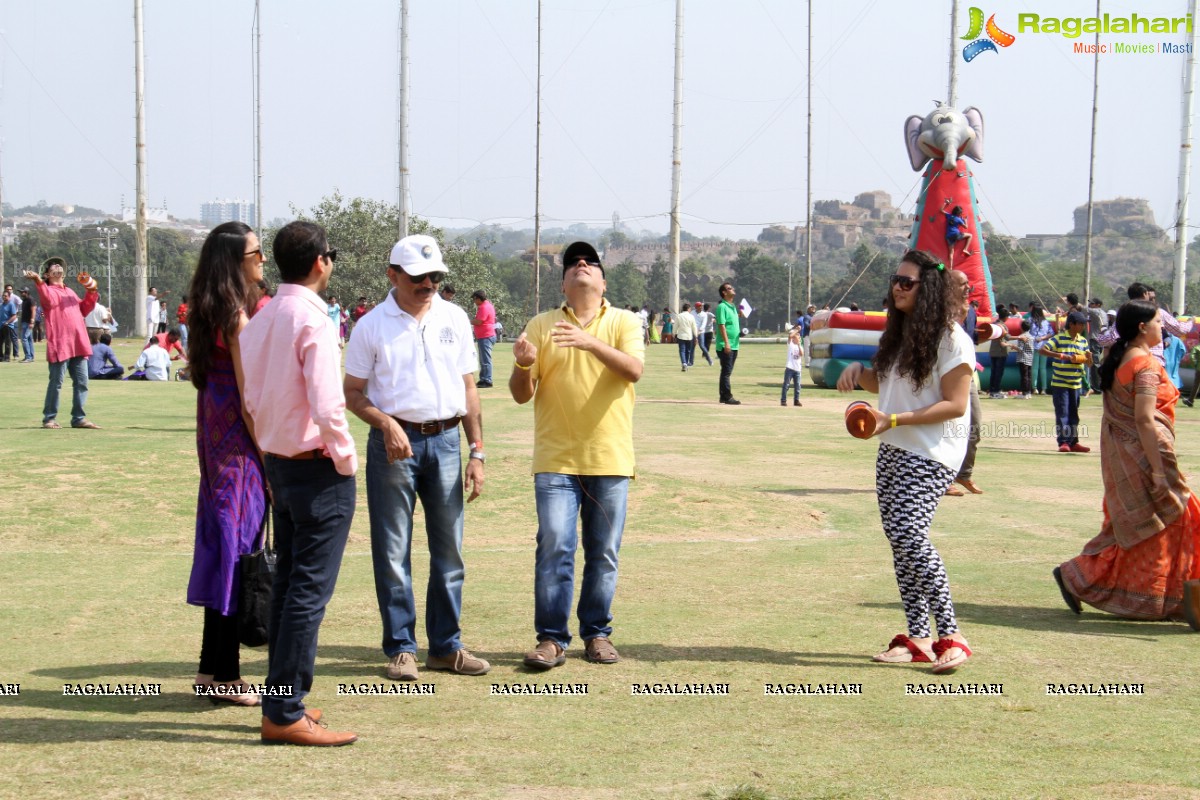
(1145, 563)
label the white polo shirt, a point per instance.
(414, 369)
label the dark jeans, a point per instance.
(792, 377)
(705, 341)
(313, 509)
(9, 346)
(997, 373)
(1066, 415)
(77, 366)
(727, 358)
(1026, 371)
(219, 654)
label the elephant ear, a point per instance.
(912, 130)
(975, 120)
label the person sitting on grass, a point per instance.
(1069, 357)
(154, 364)
(171, 340)
(102, 363)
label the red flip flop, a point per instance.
(916, 654)
(941, 646)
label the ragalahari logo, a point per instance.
(995, 36)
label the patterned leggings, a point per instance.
(909, 488)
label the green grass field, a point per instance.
(752, 555)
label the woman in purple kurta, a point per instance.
(232, 499)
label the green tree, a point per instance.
(658, 284)
(762, 282)
(626, 285)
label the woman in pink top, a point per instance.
(67, 344)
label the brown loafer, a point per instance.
(601, 651)
(304, 732)
(954, 491)
(969, 485)
(546, 655)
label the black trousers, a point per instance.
(219, 647)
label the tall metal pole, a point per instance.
(405, 209)
(258, 160)
(1087, 246)
(952, 89)
(808, 226)
(537, 178)
(676, 160)
(140, 260)
(1185, 168)
(108, 247)
(2, 275)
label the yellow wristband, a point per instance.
(894, 422)
(519, 365)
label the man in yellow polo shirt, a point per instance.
(579, 364)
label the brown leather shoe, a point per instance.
(313, 713)
(969, 485)
(304, 732)
(954, 491)
(600, 651)
(546, 655)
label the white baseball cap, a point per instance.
(417, 255)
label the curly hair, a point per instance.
(219, 293)
(910, 342)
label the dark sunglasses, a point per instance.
(332, 255)
(434, 277)
(259, 253)
(904, 282)
(590, 262)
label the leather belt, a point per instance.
(429, 428)
(307, 455)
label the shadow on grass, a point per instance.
(650, 652)
(1057, 620)
(41, 730)
(172, 701)
(806, 492)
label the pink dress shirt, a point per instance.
(293, 379)
(66, 335)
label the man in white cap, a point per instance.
(410, 371)
(579, 364)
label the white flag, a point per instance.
(745, 307)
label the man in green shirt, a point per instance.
(728, 333)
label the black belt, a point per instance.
(429, 428)
(307, 455)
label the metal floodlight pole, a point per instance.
(140, 251)
(676, 161)
(1185, 169)
(108, 247)
(402, 123)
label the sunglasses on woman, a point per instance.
(904, 282)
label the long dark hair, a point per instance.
(910, 342)
(219, 293)
(1129, 324)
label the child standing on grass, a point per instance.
(1023, 344)
(791, 373)
(1069, 356)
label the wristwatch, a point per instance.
(478, 454)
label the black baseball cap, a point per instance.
(578, 250)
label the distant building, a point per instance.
(152, 215)
(219, 211)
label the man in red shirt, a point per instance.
(171, 340)
(484, 325)
(67, 344)
(181, 316)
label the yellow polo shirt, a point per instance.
(582, 411)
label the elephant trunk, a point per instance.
(949, 146)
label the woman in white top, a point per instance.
(922, 372)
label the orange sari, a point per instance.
(1147, 546)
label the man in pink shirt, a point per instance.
(67, 343)
(293, 391)
(484, 325)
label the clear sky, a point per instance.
(330, 89)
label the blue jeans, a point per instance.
(183, 336)
(484, 346)
(790, 377)
(313, 509)
(1066, 415)
(433, 473)
(687, 351)
(704, 339)
(77, 366)
(27, 340)
(561, 500)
